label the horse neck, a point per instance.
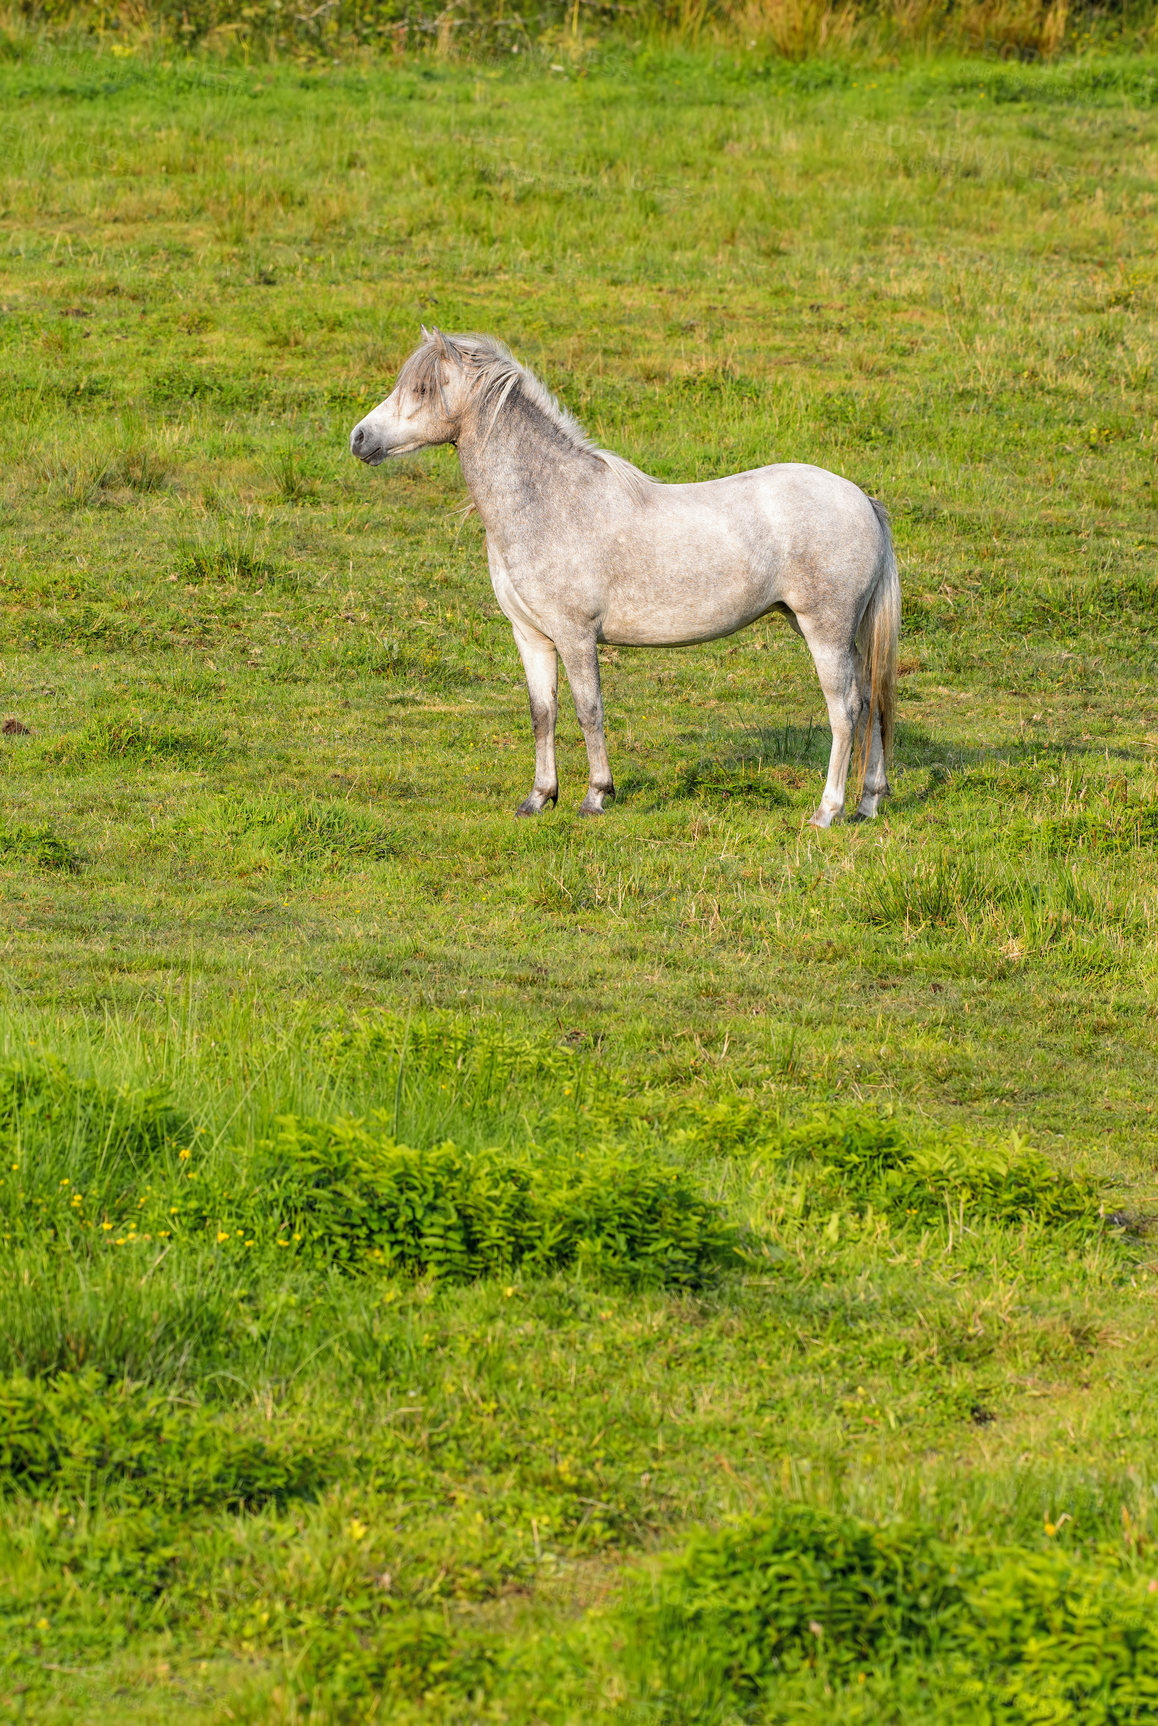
(517, 465)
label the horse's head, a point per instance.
(424, 407)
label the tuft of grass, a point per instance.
(804, 1589)
(136, 742)
(91, 478)
(307, 832)
(1111, 832)
(723, 784)
(875, 1161)
(234, 560)
(41, 846)
(294, 484)
(76, 1432)
(78, 1150)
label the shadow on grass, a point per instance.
(1021, 765)
(765, 765)
(760, 765)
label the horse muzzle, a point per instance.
(371, 447)
(366, 444)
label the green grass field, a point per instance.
(679, 1268)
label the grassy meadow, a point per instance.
(677, 1268)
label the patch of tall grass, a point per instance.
(118, 1168)
(174, 1320)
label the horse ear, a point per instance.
(439, 340)
(425, 332)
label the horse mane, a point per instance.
(496, 378)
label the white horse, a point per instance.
(585, 548)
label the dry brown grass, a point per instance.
(800, 28)
(794, 29)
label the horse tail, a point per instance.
(876, 642)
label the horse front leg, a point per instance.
(581, 663)
(541, 667)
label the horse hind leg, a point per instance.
(876, 782)
(838, 682)
(581, 663)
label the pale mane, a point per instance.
(497, 376)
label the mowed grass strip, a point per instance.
(937, 281)
(722, 1178)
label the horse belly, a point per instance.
(692, 601)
